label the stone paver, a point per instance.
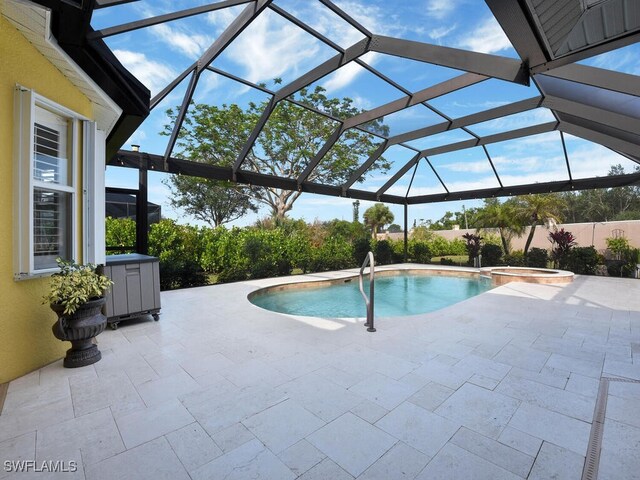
(423, 430)
(352, 443)
(401, 462)
(219, 388)
(554, 427)
(557, 462)
(251, 460)
(479, 409)
(301, 457)
(455, 462)
(619, 457)
(283, 425)
(193, 446)
(493, 451)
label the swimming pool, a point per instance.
(397, 295)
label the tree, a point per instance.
(466, 218)
(289, 141)
(395, 228)
(536, 209)
(377, 216)
(502, 216)
(474, 244)
(356, 211)
(562, 242)
(213, 201)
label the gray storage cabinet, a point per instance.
(136, 287)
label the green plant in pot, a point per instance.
(76, 294)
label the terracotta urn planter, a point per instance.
(80, 328)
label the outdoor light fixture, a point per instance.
(135, 148)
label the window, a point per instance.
(53, 189)
(45, 184)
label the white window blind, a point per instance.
(52, 228)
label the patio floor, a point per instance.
(501, 386)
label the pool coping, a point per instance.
(315, 280)
(344, 276)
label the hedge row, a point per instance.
(190, 255)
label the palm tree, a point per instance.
(536, 210)
(502, 216)
(377, 216)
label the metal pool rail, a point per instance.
(368, 301)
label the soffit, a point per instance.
(33, 22)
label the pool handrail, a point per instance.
(369, 260)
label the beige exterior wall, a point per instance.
(586, 234)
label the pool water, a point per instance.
(394, 296)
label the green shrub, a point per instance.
(231, 263)
(515, 259)
(439, 246)
(614, 268)
(420, 252)
(631, 257)
(457, 246)
(361, 246)
(447, 261)
(120, 232)
(265, 252)
(618, 246)
(582, 260)
(383, 252)
(181, 273)
(299, 249)
(397, 251)
(491, 238)
(179, 249)
(333, 254)
(537, 258)
(491, 255)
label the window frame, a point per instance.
(25, 183)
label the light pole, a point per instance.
(593, 232)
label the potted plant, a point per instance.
(76, 294)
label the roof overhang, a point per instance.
(551, 33)
(58, 29)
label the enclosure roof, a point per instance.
(548, 121)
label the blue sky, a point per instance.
(272, 47)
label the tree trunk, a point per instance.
(505, 243)
(529, 239)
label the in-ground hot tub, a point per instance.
(503, 275)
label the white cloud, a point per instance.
(626, 61)
(469, 167)
(342, 77)
(441, 32)
(327, 23)
(440, 9)
(487, 37)
(370, 16)
(271, 47)
(154, 75)
(513, 122)
(592, 160)
(221, 19)
(191, 45)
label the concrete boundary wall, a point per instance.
(593, 233)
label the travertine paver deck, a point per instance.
(499, 386)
